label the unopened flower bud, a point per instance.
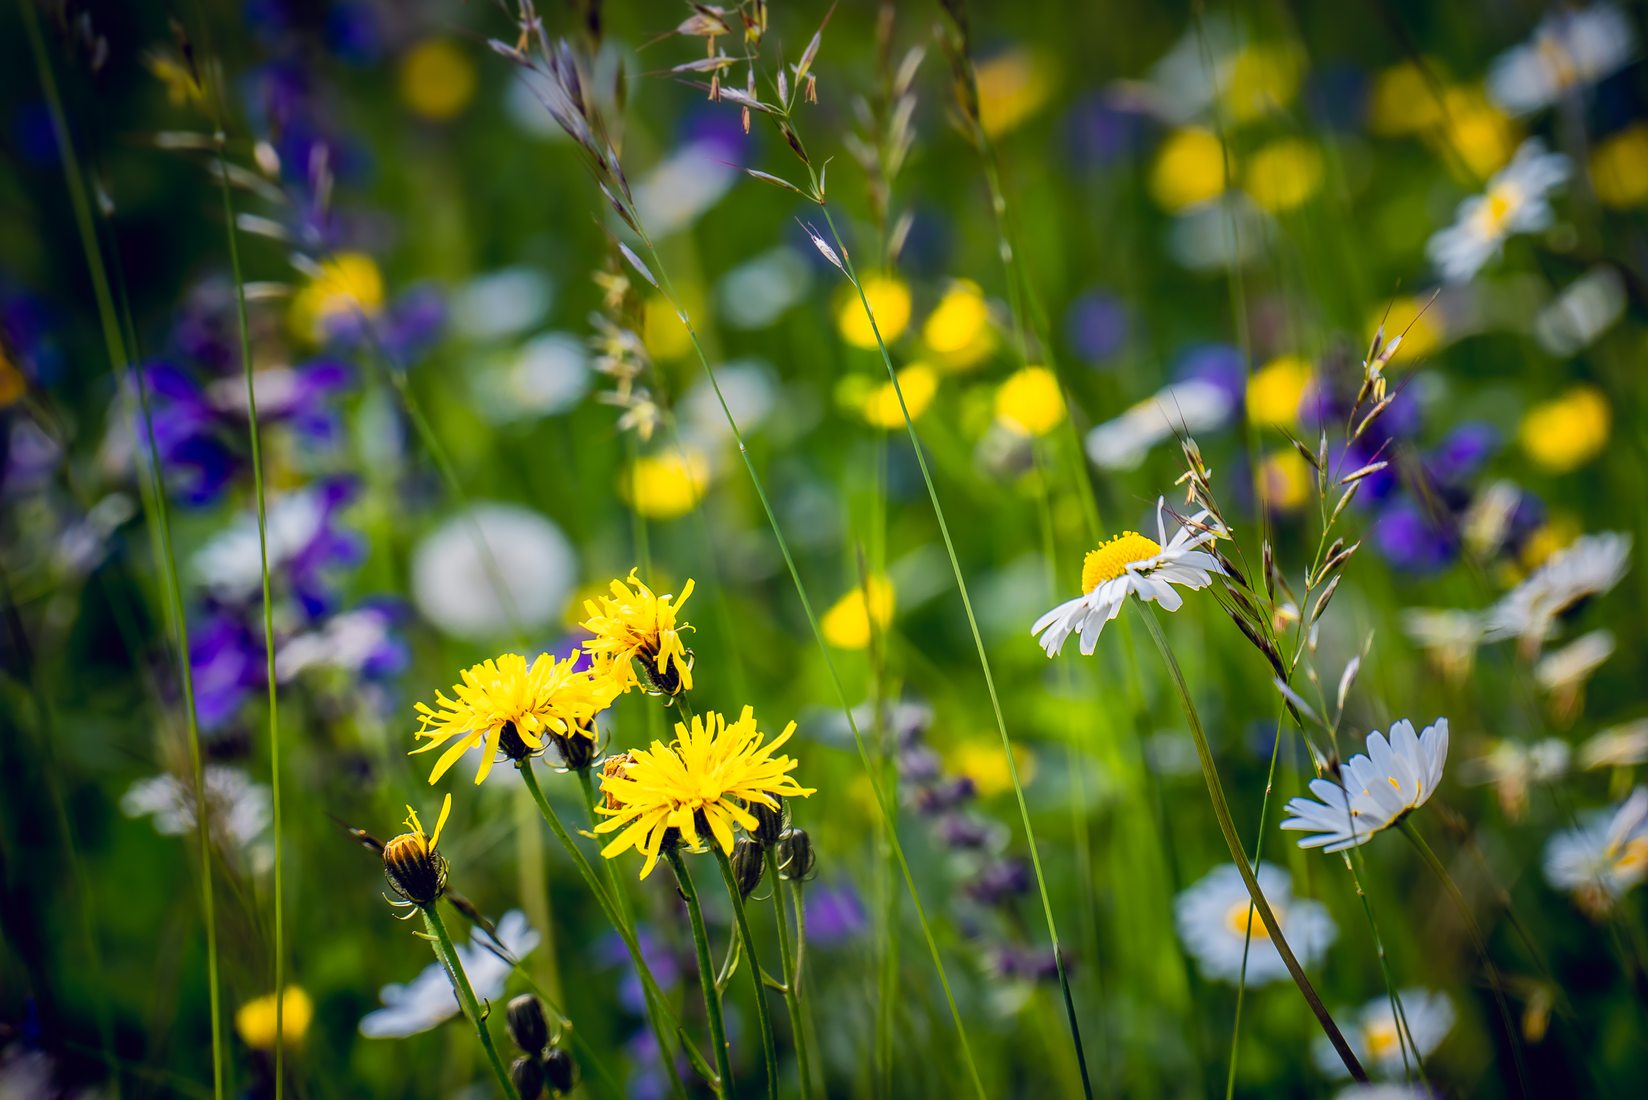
(577, 748)
(769, 821)
(527, 1075)
(749, 860)
(412, 866)
(795, 855)
(527, 1026)
(559, 1070)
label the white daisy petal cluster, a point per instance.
(1132, 564)
(427, 1001)
(1375, 1036)
(1602, 857)
(1515, 202)
(1214, 916)
(1590, 566)
(1513, 768)
(1570, 49)
(1392, 778)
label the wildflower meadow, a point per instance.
(799, 549)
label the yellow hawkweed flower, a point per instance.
(890, 302)
(1401, 100)
(509, 704)
(707, 778)
(346, 286)
(1030, 402)
(958, 331)
(919, 384)
(633, 624)
(1564, 434)
(255, 1020)
(1284, 478)
(1283, 174)
(437, 79)
(1619, 167)
(1261, 79)
(1275, 391)
(1012, 86)
(867, 609)
(412, 866)
(667, 485)
(1189, 169)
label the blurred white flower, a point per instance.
(1513, 767)
(1448, 636)
(349, 640)
(522, 584)
(1190, 407)
(1382, 1091)
(1590, 566)
(1570, 49)
(1602, 857)
(239, 810)
(1229, 230)
(1562, 673)
(1515, 202)
(757, 292)
(1214, 916)
(549, 374)
(1621, 746)
(231, 563)
(1133, 564)
(1374, 1035)
(683, 187)
(427, 1001)
(1380, 788)
(1584, 310)
(501, 303)
(751, 391)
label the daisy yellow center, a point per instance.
(1381, 1038)
(1240, 918)
(1501, 205)
(1633, 858)
(1112, 558)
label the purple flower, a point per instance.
(1102, 129)
(835, 914)
(1097, 326)
(999, 881)
(1462, 454)
(1219, 364)
(962, 831)
(226, 661)
(1412, 541)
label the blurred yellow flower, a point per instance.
(1030, 402)
(663, 333)
(1284, 479)
(1275, 391)
(177, 78)
(346, 286)
(12, 383)
(1425, 331)
(1565, 433)
(890, 301)
(1484, 136)
(437, 79)
(1260, 80)
(1619, 167)
(866, 609)
(1553, 535)
(1012, 86)
(666, 485)
(255, 1020)
(958, 331)
(1402, 101)
(919, 384)
(1284, 174)
(981, 761)
(1189, 169)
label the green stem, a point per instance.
(1247, 936)
(706, 975)
(1221, 811)
(769, 1049)
(466, 996)
(662, 1020)
(792, 981)
(1475, 932)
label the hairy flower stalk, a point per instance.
(706, 972)
(442, 943)
(769, 1050)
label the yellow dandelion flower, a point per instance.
(1276, 389)
(255, 1020)
(1564, 434)
(666, 485)
(1422, 330)
(1189, 169)
(890, 302)
(1261, 80)
(1283, 174)
(662, 332)
(1402, 102)
(347, 286)
(634, 624)
(919, 384)
(1284, 478)
(412, 866)
(1012, 86)
(982, 762)
(706, 779)
(867, 609)
(1484, 136)
(958, 331)
(1030, 402)
(437, 79)
(1619, 167)
(509, 704)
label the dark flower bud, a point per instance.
(795, 855)
(511, 745)
(577, 748)
(527, 1026)
(769, 821)
(749, 861)
(527, 1075)
(559, 1070)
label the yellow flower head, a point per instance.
(1284, 478)
(1565, 433)
(1401, 101)
(1484, 136)
(508, 703)
(411, 865)
(958, 331)
(255, 1020)
(707, 778)
(1189, 169)
(347, 286)
(890, 302)
(667, 485)
(1283, 174)
(1261, 79)
(1012, 86)
(1275, 391)
(13, 385)
(1029, 402)
(919, 384)
(868, 608)
(1619, 167)
(437, 79)
(633, 624)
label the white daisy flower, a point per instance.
(1192, 406)
(1515, 202)
(1621, 746)
(239, 810)
(1513, 768)
(1563, 673)
(427, 1001)
(459, 568)
(1133, 564)
(1214, 916)
(1382, 786)
(1569, 50)
(1602, 857)
(1374, 1036)
(1592, 565)
(1449, 638)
